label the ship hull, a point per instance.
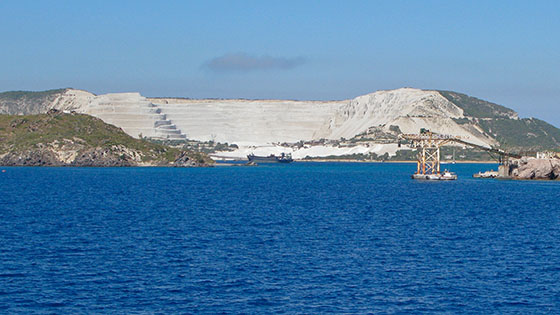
(269, 159)
(434, 176)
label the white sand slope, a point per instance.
(271, 121)
(129, 111)
(260, 123)
(385, 108)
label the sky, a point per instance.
(507, 52)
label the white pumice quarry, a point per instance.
(260, 125)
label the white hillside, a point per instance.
(409, 109)
(384, 107)
(130, 111)
(262, 122)
(249, 121)
(72, 99)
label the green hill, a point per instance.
(503, 124)
(27, 102)
(81, 140)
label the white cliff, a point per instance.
(261, 123)
(271, 121)
(130, 111)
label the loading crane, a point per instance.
(428, 145)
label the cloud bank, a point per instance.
(242, 62)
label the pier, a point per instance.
(429, 144)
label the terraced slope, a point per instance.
(268, 121)
(262, 122)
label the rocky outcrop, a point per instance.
(102, 157)
(31, 158)
(59, 139)
(537, 169)
(186, 160)
(93, 157)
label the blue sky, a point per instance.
(503, 51)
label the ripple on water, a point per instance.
(302, 238)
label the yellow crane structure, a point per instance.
(428, 145)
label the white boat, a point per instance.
(446, 175)
(487, 174)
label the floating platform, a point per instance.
(442, 176)
(487, 174)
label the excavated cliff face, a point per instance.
(249, 121)
(268, 121)
(130, 111)
(72, 100)
(384, 108)
(409, 109)
(260, 122)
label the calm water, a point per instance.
(300, 238)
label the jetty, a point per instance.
(429, 146)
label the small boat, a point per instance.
(283, 158)
(487, 174)
(446, 175)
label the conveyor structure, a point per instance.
(429, 143)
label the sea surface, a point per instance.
(308, 238)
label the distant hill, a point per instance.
(378, 116)
(58, 139)
(504, 124)
(27, 103)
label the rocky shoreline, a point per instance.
(97, 157)
(531, 169)
(60, 139)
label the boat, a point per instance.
(487, 174)
(283, 158)
(446, 175)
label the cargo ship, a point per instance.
(283, 158)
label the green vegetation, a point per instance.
(461, 154)
(78, 132)
(465, 154)
(26, 102)
(462, 121)
(501, 123)
(523, 134)
(194, 145)
(29, 95)
(405, 155)
(477, 108)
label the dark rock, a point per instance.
(31, 158)
(100, 157)
(53, 112)
(184, 160)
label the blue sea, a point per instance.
(307, 238)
